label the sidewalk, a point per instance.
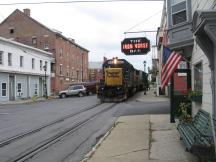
(25, 101)
(141, 138)
(150, 97)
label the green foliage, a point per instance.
(183, 109)
(195, 96)
(34, 98)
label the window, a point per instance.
(61, 52)
(179, 13)
(60, 70)
(21, 61)
(182, 65)
(19, 87)
(11, 30)
(33, 63)
(52, 67)
(177, 1)
(9, 59)
(46, 46)
(4, 89)
(67, 73)
(179, 17)
(35, 89)
(1, 58)
(34, 40)
(198, 77)
(41, 65)
(46, 64)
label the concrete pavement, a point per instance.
(141, 138)
(27, 101)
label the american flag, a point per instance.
(170, 61)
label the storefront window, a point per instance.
(35, 89)
(4, 89)
(198, 77)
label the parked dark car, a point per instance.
(90, 87)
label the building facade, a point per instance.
(95, 71)
(175, 32)
(71, 60)
(203, 55)
(161, 40)
(24, 71)
(191, 32)
(180, 39)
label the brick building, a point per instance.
(95, 71)
(71, 60)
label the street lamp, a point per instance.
(144, 63)
(145, 84)
(45, 84)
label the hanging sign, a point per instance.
(135, 46)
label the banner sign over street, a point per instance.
(135, 46)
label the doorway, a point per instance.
(180, 85)
(40, 87)
(11, 88)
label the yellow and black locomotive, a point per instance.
(120, 80)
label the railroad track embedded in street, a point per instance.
(29, 132)
(30, 152)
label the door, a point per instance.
(71, 90)
(11, 88)
(180, 85)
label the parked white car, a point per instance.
(73, 90)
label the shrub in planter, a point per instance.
(195, 96)
(184, 117)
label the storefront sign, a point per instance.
(135, 46)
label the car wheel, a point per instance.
(80, 94)
(63, 95)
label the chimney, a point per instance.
(27, 11)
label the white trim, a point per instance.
(25, 46)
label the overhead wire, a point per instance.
(127, 31)
(77, 1)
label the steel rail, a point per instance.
(24, 134)
(30, 152)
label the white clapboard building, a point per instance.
(24, 71)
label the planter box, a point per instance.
(196, 98)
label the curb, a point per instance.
(91, 153)
(28, 101)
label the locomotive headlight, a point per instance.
(115, 60)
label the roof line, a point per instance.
(56, 33)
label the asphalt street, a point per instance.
(15, 119)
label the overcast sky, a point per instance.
(98, 27)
